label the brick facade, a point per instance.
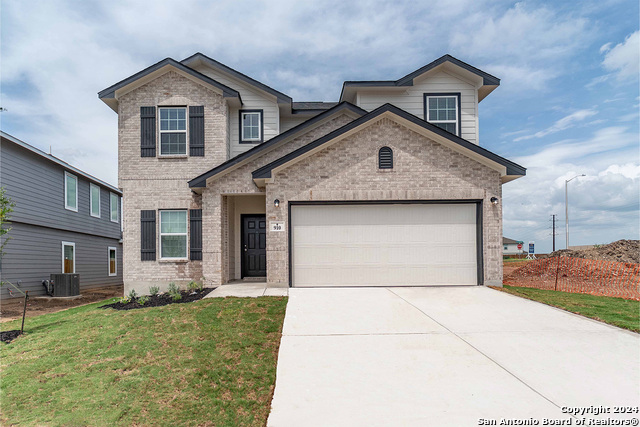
(161, 182)
(348, 170)
(219, 190)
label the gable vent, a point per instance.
(385, 158)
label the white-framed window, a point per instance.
(94, 200)
(173, 131)
(68, 257)
(113, 261)
(251, 126)
(70, 192)
(173, 234)
(113, 206)
(443, 110)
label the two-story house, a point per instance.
(228, 179)
(64, 221)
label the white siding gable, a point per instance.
(411, 98)
(252, 99)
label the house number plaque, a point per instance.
(276, 225)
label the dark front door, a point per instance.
(254, 246)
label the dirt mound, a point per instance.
(620, 251)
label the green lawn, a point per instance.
(615, 311)
(212, 362)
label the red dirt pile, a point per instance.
(620, 251)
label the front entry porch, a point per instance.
(245, 240)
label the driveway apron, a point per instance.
(444, 356)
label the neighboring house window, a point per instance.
(94, 196)
(173, 234)
(68, 257)
(173, 131)
(385, 158)
(70, 192)
(114, 207)
(506, 248)
(251, 126)
(443, 110)
(113, 263)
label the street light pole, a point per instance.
(566, 206)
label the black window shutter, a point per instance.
(385, 158)
(195, 231)
(196, 131)
(147, 131)
(148, 235)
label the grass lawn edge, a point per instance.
(512, 290)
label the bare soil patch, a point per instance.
(12, 308)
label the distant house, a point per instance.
(64, 221)
(510, 247)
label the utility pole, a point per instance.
(553, 233)
(566, 206)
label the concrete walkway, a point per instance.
(247, 289)
(444, 357)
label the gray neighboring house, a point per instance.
(64, 221)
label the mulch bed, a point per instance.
(160, 300)
(8, 336)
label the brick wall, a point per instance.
(161, 183)
(348, 170)
(216, 247)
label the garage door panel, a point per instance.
(384, 245)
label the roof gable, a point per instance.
(508, 169)
(204, 59)
(108, 95)
(489, 82)
(201, 180)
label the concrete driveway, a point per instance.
(444, 357)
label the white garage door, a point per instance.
(383, 245)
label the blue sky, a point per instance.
(568, 103)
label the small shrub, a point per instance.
(192, 286)
(125, 299)
(154, 290)
(177, 296)
(143, 300)
(132, 294)
(172, 289)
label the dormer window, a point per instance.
(443, 110)
(173, 131)
(251, 126)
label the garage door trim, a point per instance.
(477, 202)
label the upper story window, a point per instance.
(173, 234)
(443, 110)
(94, 200)
(173, 131)
(70, 192)
(385, 158)
(251, 126)
(114, 207)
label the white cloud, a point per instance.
(562, 124)
(624, 58)
(603, 204)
